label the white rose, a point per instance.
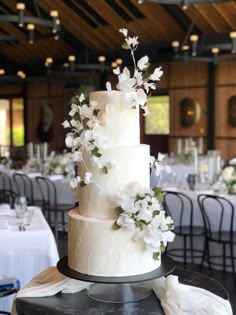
(69, 141)
(227, 173)
(125, 221)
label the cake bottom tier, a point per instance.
(95, 249)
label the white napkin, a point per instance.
(176, 298)
(181, 299)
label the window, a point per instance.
(12, 124)
(157, 121)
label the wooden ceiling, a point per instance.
(91, 27)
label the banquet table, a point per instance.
(23, 254)
(64, 194)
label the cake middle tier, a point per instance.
(130, 167)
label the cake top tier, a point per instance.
(118, 120)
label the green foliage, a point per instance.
(156, 256)
(115, 226)
(157, 121)
(18, 135)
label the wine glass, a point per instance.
(20, 207)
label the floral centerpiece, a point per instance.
(228, 174)
(138, 209)
(58, 164)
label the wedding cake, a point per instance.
(119, 228)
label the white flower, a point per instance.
(108, 86)
(74, 109)
(81, 98)
(156, 74)
(124, 31)
(92, 122)
(160, 157)
(143, 62)
(232, 161)
(141, 97)
(86, 111)
(124, 220)
(227, 173)
(69, 141)
(132, 41)
(88, 178)
(93, 104)
(74, 182)
(77, 156)
(116, 71)
(66, 124)
(151, 160)
(145, 215)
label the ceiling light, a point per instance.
(119, 61)
(114, 64)
(21, 19)
(2, 71)
(101, 59)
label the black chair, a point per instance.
(5, 181)
(6, 292)
(51, 208)
(218, 213)
(24, 187)
(180, 207)
(8, 196)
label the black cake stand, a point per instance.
(118, 289)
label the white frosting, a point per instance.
(95, 249)
(121, 123)
(131, 165)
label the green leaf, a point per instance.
(82, 184)
(155, 212)
(95, 152)
(118, 211)
(158, 193)
(138, 198)
(139, 225)
(85, 123)
(162, 247)
(125, 46)
(115, 226)
(105, 169)
(156, 256)
(77, 116)
(96, 111)
(98, 155)
(170, 226)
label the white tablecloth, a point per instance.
(25, 254)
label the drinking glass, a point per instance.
(20, 207)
